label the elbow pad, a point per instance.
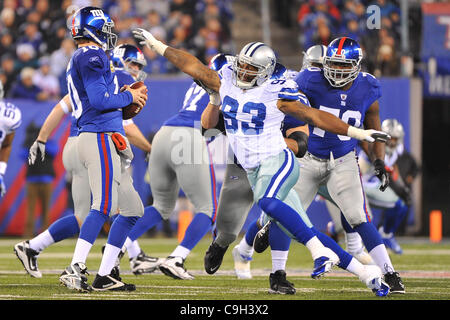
(302, 141)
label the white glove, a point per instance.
(367, 135)
(214, 99)
(149, 40)
(32, 154)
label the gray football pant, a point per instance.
(342, 179)
(100, 172)
(180, 159)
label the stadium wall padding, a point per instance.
(165, 98)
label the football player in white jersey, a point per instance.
(10, 120)
(253, 111)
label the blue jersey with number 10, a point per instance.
(94, 91)
(348, 105)
(195, 101)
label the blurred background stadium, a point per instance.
(406, 45)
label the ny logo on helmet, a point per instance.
(97, 13)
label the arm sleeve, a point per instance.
(97, 89)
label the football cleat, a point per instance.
(28, 257)
(391, 243)
(213, 257)
(74, 277)
(174, 267)
(261, 241)
(241, 264)
(373, 279)
(324, 263)
(144, 264)
(110, 282)
(279, 284)
(395, 282)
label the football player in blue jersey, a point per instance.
(343, 90)
(68, 226)
(102, 148)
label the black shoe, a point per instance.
(279, 284)
(261, 241)
(28, 257)
(395, 282)
(213, 257)
(103, 283)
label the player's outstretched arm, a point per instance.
(183, 60)
(328, 122)
(51, 122)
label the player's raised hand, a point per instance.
(147, 39)
(369, 135)
(139, 95)
(32, 153)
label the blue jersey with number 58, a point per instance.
(348, 105)
(94, 91)
(195, 101)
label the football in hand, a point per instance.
(132, 109)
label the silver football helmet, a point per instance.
(313, 57)
(395, 129)
(263, 60)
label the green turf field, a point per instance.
(424, 267)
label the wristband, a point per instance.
(3, 166)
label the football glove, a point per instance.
(147, 39)
(32, 154)
(369, 135)
(381, 173)
(2, 186)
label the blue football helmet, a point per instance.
(219, 60)
(342, 62)
(125, 54)
(94, 24)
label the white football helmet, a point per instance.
(313, 57)
(395, 129)
(258, 55)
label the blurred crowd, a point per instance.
(321, 21)
(35, 43)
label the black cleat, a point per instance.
(261, 241)
(395, 282)
(28, 257)
(109, 282)
(213, 257)
(279, 284)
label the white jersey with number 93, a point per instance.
(252, 119)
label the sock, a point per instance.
(245, 249)
(278, 239)
(180, 251)
(133, 248)
(198, 227)
(250, 235)
(42, 241)
(279, 259)
(150, 218)
(355, 267)
(374, 245)
(344, 256)
(288, 217)
(353, 242)
(108, 260)
(88, 233)
(116, 238)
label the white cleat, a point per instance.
(241, 264)
(174, 267)
(28, 257)
(326, 260)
